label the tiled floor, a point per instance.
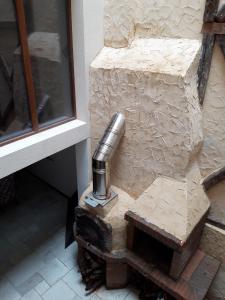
(33, 262)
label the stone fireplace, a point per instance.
(156, 223)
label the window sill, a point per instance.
(22, 153)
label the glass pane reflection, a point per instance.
(14, 112)
(48, 46)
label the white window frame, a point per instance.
(87, 25)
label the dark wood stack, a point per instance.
(92, 269)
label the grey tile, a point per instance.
(53, 271)
(105, 294)
(29, 284)
(91, 297)
(42, 287)
(59, 291)
(24, 270)
(8, 292)
(48, 257)
(94, 297)
(67, 256)
(132, 294)
(73, 279)
(70, 263)
(31, 295)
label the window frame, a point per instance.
(23, 37)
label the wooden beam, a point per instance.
(21, 19)
(208, 43)
(220, 38)
(211, 8)
(214, 28)
(214, 178)
(154, 231)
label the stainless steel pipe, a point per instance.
(103, 155)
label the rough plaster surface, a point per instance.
(213, 152)
(213, 243)
(217, 197)
(126, 19)
(174, 206)
(153, 82)
(114, 216)
(129, 19)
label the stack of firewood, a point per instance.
(92, 270)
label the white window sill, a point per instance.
(22, 153)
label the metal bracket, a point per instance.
(93, 202)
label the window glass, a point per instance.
(14, 111)
(48, 46)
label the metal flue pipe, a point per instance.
(103, 155)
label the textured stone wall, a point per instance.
(154, 84)
(126, 19)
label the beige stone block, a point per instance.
(153, 82)
(126, 19)
(113, 216)
(174, 206)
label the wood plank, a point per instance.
(119, 256)
(192, 287)
(208, 43)
(27, 62)
(214, 178)
(183, 251)
(116, 275)
(220, 17)
(220, 38)
(211, 8)
(201, 268)
(154, 231)
(214, 28)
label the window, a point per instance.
(36, 66)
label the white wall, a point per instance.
(88, 41)
(59, 170)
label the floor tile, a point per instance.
(31, 295)
(92, 297)
(67, 256)
(42, 287)
(53, 271)
(29, 284)
(24, 270)
(132, 295)
(8, 292)
(105, 294)
(73, 279)
(59, 291)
